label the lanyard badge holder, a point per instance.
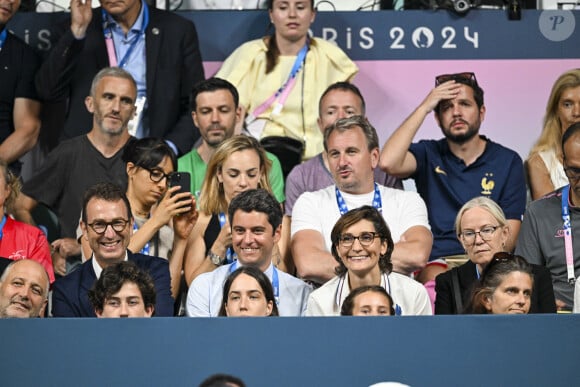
(567, 226)
(141, 101)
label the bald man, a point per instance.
(23, 290)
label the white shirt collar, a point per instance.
(98, 269)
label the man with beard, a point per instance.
(158, 48)
(450, 171)
(352, 148)
(78, 163)
(215, 111)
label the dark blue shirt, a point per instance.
(445, 183)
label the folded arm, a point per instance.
(313, 262)
(412, 251)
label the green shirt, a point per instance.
(193, 163)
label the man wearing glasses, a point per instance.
(78, 163)
(450, 171)
(549, 234)
(106, 224)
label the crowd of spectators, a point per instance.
(337, 235)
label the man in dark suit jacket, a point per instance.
(171, 57)
(106, 224)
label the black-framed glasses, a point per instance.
(100, 227)
(572, 173)
(466, 77)
(156, 174)
(486, 233)
(365, 238)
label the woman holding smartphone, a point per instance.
(163, 218)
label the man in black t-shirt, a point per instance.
(83, 161)
(19, 105)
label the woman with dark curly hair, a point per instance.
(362, 245)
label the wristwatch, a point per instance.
(215, 259)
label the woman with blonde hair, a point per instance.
(544, 164)
(239, 164)
(482, 229)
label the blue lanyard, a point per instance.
(283, 91)
(296, 67)
(3, 36)
(109, 34)
(231, 256)
(275, 282)
(568, 235)
(145, 249)
(2, 223)
(377, 202)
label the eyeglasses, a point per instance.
(468, 78)
(156, 174)
(572, 173)
(485, 233)
(100, 227)
(365, 239)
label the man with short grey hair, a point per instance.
(23, 290)
(83, 161)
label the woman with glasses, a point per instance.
(544, 164)
(248, 292)
(505, 287)
(160, 226)
(281, 77)
(362, 245)
(238, 164)
(482, 230)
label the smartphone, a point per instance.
(182, 179)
